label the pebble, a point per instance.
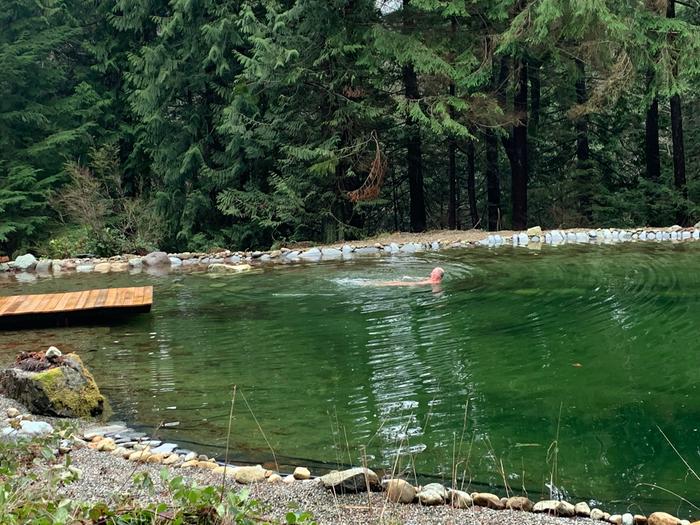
(190, 456)
(12, 412)
(274, 478)
(627, 519)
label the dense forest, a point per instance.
(191, 124)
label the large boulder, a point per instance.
(25, 262)
(156, 259)
(56, 386)
(352, 480)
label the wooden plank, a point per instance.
(132, 297)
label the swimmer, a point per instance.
(435, 278)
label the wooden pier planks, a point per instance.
(139, 298)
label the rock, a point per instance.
(228, 268)
(582, 509)
(522, 238)
(535, 230)
(175, 261)
(91, 432)
(399, 491)
(12, 412)
(172, 459)
(642, 520)
(555, 508)
(312, 254)
(274, 478)
(247, 475)
(597, 514)
(84, 268)
(352, 480)
(486, 499)
(118, 266)
(627, 519)
(331, 253)
(432, 494)
(301, 473)
(157, 458)
(27, 430)
(25, 262)
(136, 262)
(52, 353)
(519, 503)
(43, 266)
(107, 445)
(227, 471)
(103, 267)
(288, 479)
(191, 456)
(459, 499)
(615, 519)
(367, 250)
(188, 464)
(165, 448)
(68, 390)
(662, 518)
(156, 259)
(675, 228)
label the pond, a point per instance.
(593, 348)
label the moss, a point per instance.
(66, 400)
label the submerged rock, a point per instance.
(65, 390)
(352, 480)
(228, 268)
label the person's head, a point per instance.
(436, 275)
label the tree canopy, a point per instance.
(193, 124)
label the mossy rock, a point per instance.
(68, 390)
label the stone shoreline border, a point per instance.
(121, 441)
(227, 261)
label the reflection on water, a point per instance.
(597, 344)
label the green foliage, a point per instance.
(24, 500)
(129, 125)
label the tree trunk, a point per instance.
(679, 180)
(519, 165)
(414, 159)
(471, 184)
(653, 160)
(493, 184)
(582, 147)
(451, 153)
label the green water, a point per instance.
(596, 344)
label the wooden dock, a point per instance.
(17, 311)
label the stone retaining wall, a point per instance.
(228, 261)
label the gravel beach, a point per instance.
(106, 476)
